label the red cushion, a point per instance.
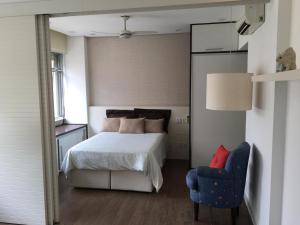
(220, 158)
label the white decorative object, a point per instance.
(229, 91)
(286, 60)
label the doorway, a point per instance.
(85, 29)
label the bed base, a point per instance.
(113, 180)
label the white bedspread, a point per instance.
(115, 151)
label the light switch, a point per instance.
(181, 120)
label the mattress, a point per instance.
(120, 152)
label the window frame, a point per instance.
(57, 71)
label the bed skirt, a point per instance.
(114, 180)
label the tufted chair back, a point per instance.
(237, 164)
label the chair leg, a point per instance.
(233, 216)
(196, 211)
(211, 215)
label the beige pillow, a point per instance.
(154, 126)
(111, 125)
(136, 126)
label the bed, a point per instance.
(112, 160)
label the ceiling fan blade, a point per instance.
(95, 33)
(144, 32)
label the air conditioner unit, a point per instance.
(253, 18)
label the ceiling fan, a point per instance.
(125, 33)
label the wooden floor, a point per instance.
(171, 206)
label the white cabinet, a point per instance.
(67, 140)
(211, 44)
(209, 129)
(214, 37)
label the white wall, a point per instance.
(291, 184)
(259, 122)
(21, 160)
(267, 121)
(76, 85)
(58, 42)
(291, 195)
(295, 29)
(260, 132)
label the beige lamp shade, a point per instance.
(229, 91)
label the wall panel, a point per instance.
(143, 70)
(21, 169)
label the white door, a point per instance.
(209, 129)
(22, 192)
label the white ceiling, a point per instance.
(163, 22)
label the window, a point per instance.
(58, 87)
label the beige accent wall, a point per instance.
(143, 70)
(58, 42)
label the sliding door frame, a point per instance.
(47, 118)
(47, 108)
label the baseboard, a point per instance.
(249, 207)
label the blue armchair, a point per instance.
(220, 188)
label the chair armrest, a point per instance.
(192, 180)
(204, 171)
